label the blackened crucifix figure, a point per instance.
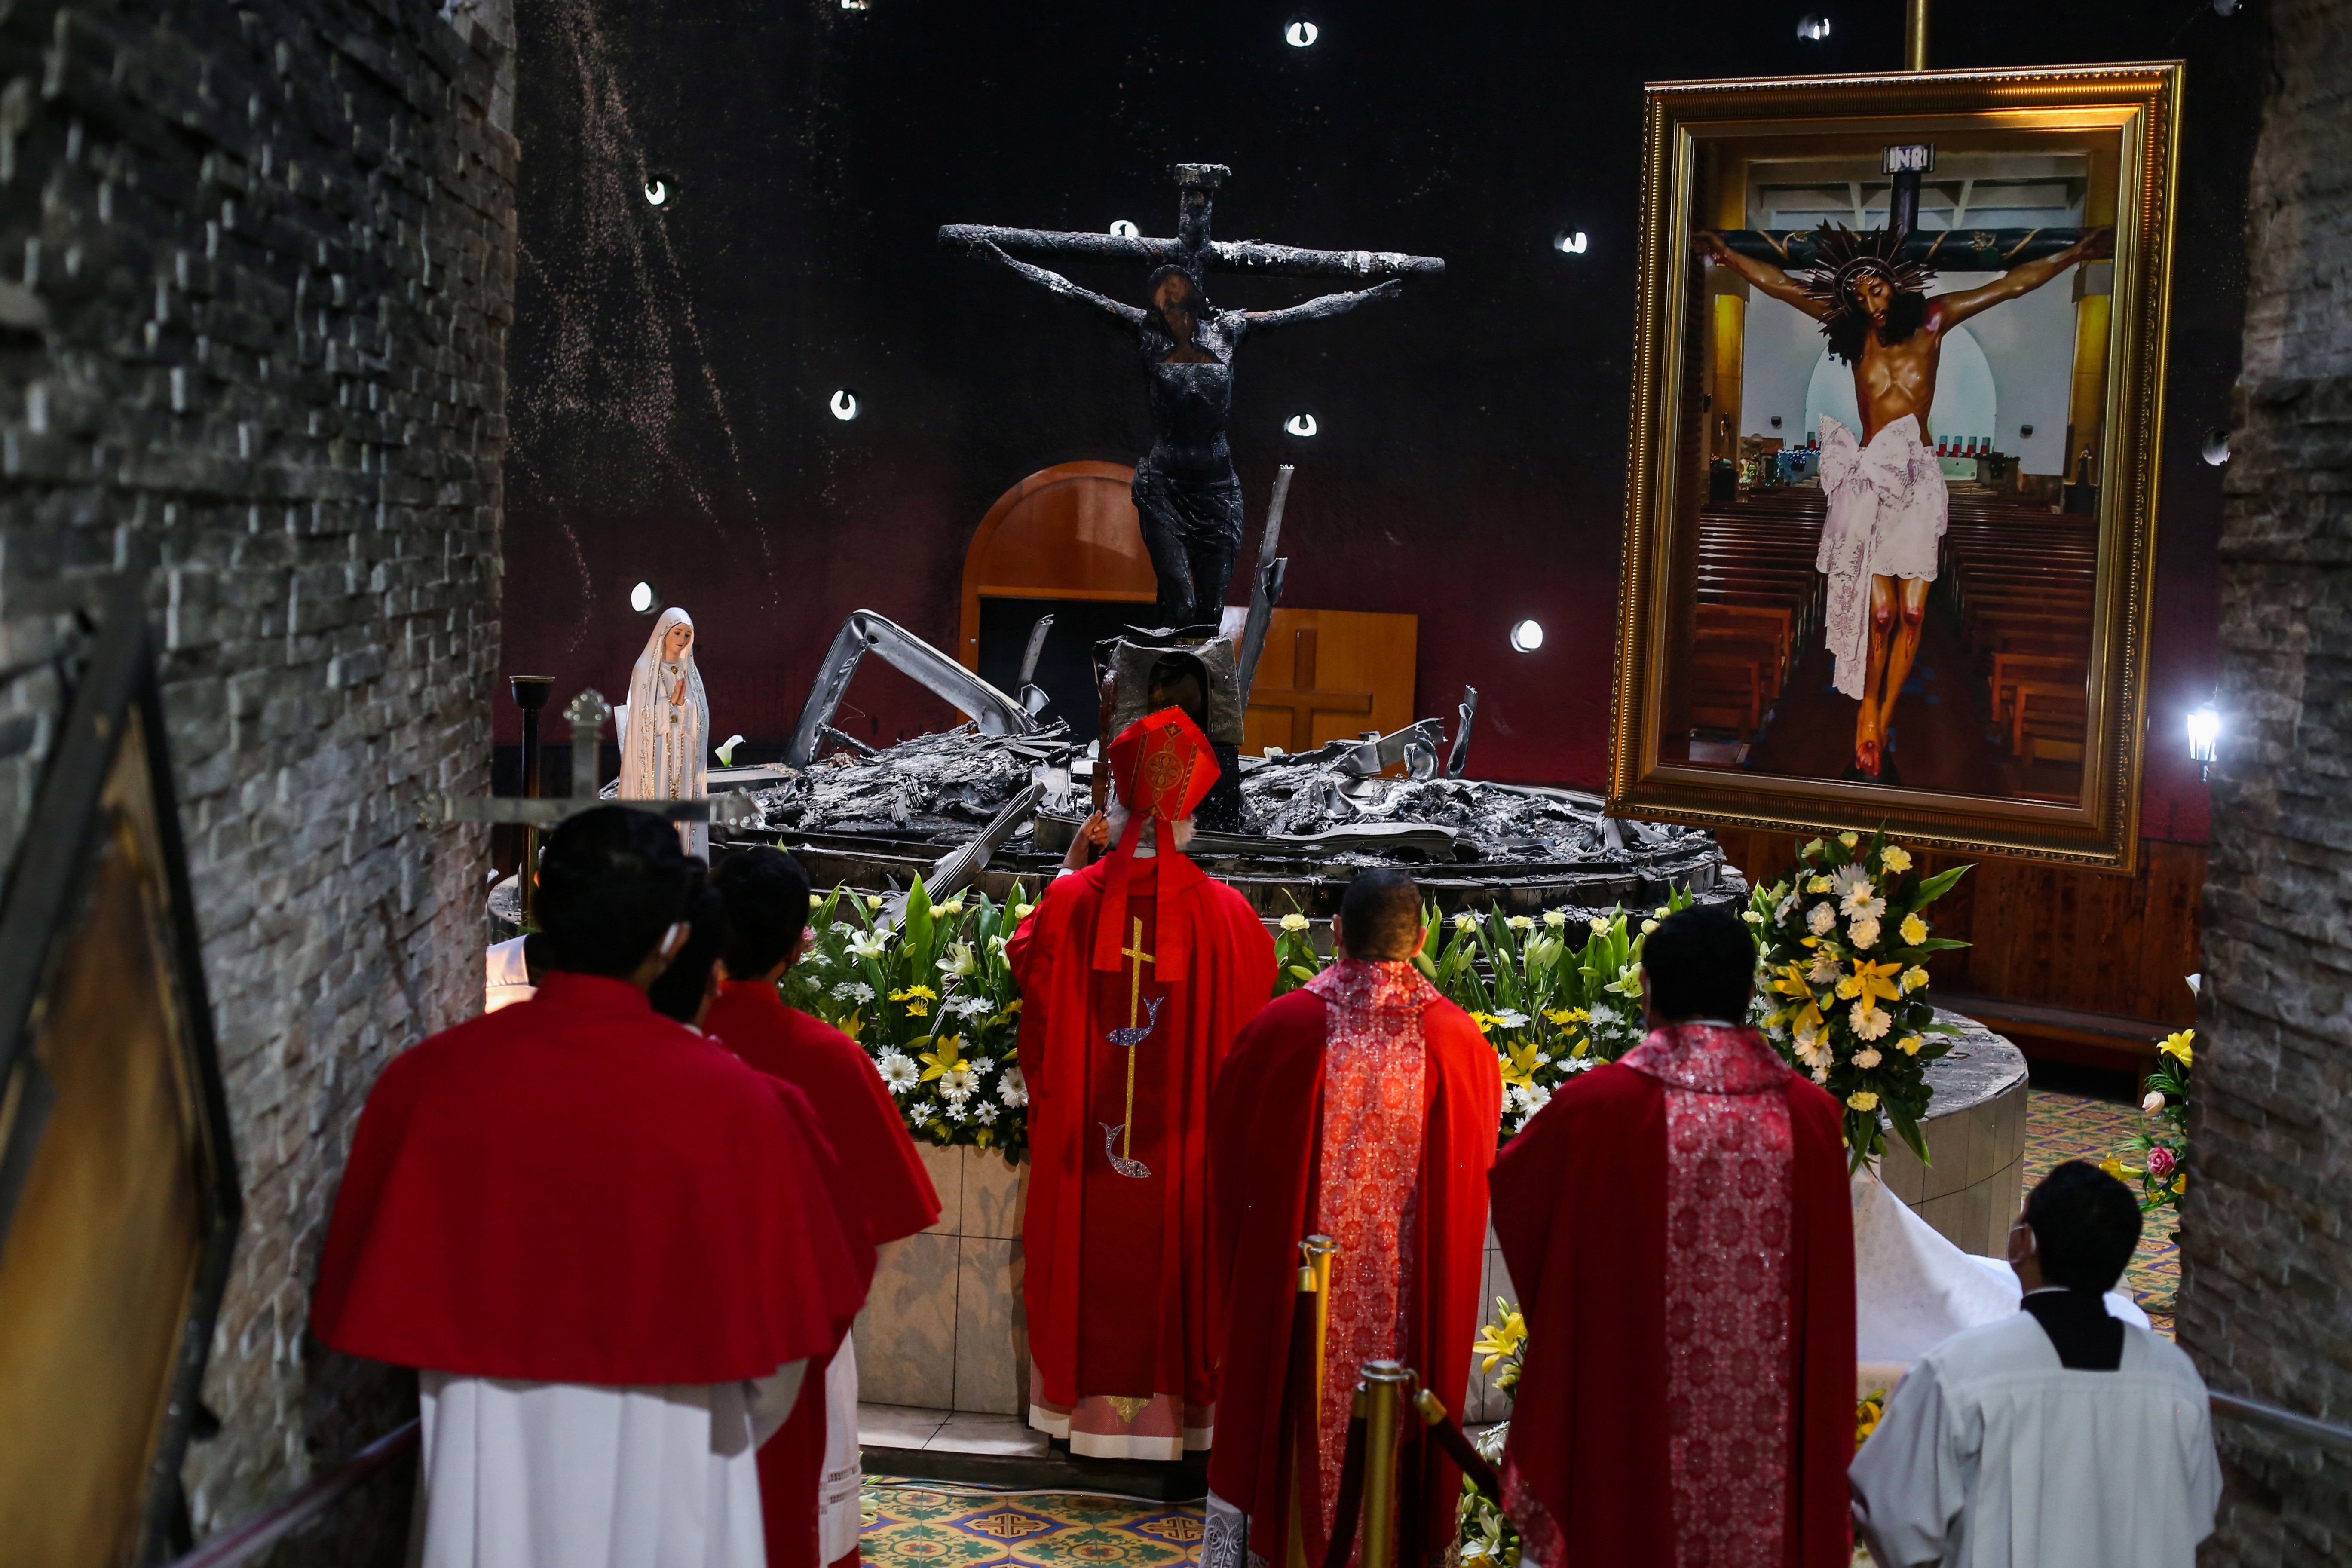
(1187, 495)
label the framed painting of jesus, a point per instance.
(1892, 496)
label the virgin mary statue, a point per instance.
(666, 728)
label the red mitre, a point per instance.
(1162, 766)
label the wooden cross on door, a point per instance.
(1301, 697)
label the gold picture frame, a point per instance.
(2103, 137)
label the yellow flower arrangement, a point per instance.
(2178, 1045)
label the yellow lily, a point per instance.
(2178, 1046)
(941, 1062)
(1870, 979)
(1519, 1066)
(1561, 1018)
(1500, 1338)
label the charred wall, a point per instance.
(255, 275)
(2267, 1306)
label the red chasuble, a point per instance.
(893, 1193)
(575, 1189)
(1116, 1234)
(1679, 1229)
(1363, 1107)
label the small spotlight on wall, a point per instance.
(644, 599)
(1568, 242)
(2217, 447)
(1527, 636)
(2204, 735)
(1300, 34)
(1124, 229)
(2025, 432)
(1301, 425)
(656, 192)
(845, 404)
(1814, 28)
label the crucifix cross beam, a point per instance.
(1192, 248)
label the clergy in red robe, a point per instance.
(610, 1248)
(809, 1471)
(1678, 1227)
(1362, 1106)
(1135, 972)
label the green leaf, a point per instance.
(1937, 886)
(1909, 1130)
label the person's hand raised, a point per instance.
(1092, 837)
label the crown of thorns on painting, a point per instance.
(1847, 258)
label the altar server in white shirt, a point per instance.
(2062, 1437)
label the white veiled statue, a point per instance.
(666, 728)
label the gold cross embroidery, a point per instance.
(1134, 1009)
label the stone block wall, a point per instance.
(256, 277)
(2267, 1301)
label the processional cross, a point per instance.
(1141, 1019)
(1187, 497)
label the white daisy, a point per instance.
(853, 990)
(1013, 1088)
(956, 1084)
(1861, 901)
(955, 1112)
(1825, 967)
(1821, 918)
(898, 1071)
(984, 1113)
(1512, 1018)
(1847, 878)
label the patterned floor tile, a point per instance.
(2060, 1127)
(915, 1524)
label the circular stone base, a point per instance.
(1975, 1133)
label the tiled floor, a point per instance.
(921, 1525)
(2060, 1127)
(955, 1432)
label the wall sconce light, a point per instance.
(1300, 33)
(1814, 28)
(1568, 242)
(644, 599)
(1527, 636)
(1301, 425)
(2204, 734)
(1123, 228)
(845, 404)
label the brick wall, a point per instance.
(256, 277)
(2268, 1303)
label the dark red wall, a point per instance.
(671, 365)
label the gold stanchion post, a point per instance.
(1915, 35)
(1319, 1250)
(1387, 1384)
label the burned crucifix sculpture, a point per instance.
(1187, 495)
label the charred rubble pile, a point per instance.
(941, 785)
(1492, 824)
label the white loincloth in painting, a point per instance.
(1887, 512)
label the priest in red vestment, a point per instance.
(1362, 1106)
(1135, 972)
(610, 1248)
(809, 1471)
(1678, 1227)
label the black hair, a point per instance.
(678, 991)
(611, 881)
(767, 897)
(1700, 963)
(1846, 328)
(1379, 914)
(2085, 1223)
(1198, 307)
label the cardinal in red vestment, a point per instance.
(1135, 972)
(1678, 1227)
(809, 1471)
(610, 1247)
(1363, 1108)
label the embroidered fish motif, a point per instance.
(1118, 1161)
(1127, 1039)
